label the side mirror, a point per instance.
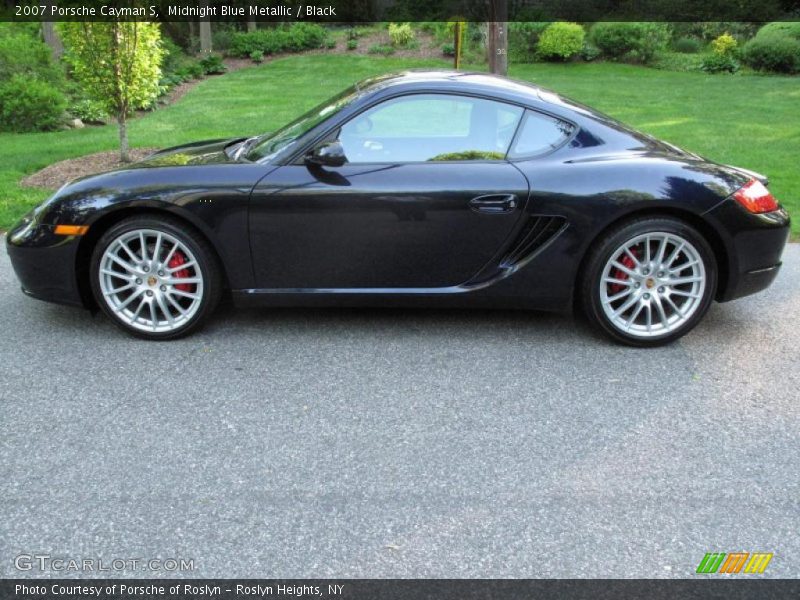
(327, 154)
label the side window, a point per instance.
(431, 127)
(539, 134)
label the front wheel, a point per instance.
(649, 281)
(154, 277)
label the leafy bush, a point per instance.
(352, 34)
(352, 44)
(719, 63)
(212, 65)
(724, 45)
(294, 38)
(401, 34)
(22, 53)
(687, 45)
(448, 49)
(561, 41)
(442, 31)
(88, 111)
(776, 53)
(781, 28)
(257, 56)
(177, 66)
(523, 37)
(590, 52)
(707, 31)
(30, 104)
(637, 42)
(222, 37)
(613, 39)
(191, 70)
(383, 49)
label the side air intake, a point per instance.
(534, 235)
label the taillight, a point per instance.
(755, 197)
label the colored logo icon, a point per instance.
(735, 562)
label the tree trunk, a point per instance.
(497, 42)
(51, 39)
(124, 156)
(251, 25)
(205, 33)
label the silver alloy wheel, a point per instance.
(151, 280)
(652, 284)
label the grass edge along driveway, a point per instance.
(750, 121)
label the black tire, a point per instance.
(205, 257)
(601, 253)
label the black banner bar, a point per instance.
(734, 587)
(355, 11)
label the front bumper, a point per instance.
(753, 243)
(44, 262)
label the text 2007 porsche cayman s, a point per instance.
(428, 188)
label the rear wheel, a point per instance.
(649, 281)
(154, 277)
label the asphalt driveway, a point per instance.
(315, 443)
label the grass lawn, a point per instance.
(750, 121)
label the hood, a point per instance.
(197, 153)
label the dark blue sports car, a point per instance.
(413, 189)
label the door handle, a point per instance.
(494, 203)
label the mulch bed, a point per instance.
(57, 174)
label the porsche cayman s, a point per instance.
(431, 188)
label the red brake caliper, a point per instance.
(178, 259)
(627, 261)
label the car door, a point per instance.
(425, 200)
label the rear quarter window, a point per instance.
(539, 134)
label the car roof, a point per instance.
(464, 81)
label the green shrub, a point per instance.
(352, 34)
(330, 43)
(173, 55)
(523, 36)
(257, 56)
(449, 49)
(706, 31)
(383, 49)
(560, 41)
(305, 36)
(191, 70)
(88, 111)
(442, 31)
(781, 28)
(724, 45)
(775, 53)
(30, 104)
(687, 45)
(614, 39)
(401, 34)
(222, 37)
(177, 66)
(352, 44)
(212, 64)
(637, 42)
(719, 63)
(590, 52)
(24, 54)
(294, 38)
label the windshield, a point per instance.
(266, 146)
